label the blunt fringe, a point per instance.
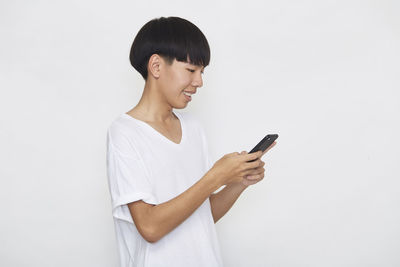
(171, 38)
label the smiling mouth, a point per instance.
(188, 97)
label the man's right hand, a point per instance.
(233, 167)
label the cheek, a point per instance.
(182, 77)
(187, 81)
(176, 81)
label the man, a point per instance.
(161, 178)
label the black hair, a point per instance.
(171, 38)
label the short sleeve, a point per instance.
(127, 177)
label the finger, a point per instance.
(256, 171)
(254, 155)
(253, 177)
(237, 153)
(251, 166)
(258, 176)
(250, 177)
(257, 163)
(260, 163)
(258, 168)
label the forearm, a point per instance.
(168, 215)
(222, 201)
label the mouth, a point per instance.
(188, 95)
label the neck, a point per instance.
(153, 106)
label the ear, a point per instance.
(153, 67)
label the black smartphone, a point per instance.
(264, 144)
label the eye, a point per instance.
(190, 70)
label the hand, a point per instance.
(258, 173)
(232, 167)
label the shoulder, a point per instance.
(121, 132)
(117, 127)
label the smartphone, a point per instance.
(264, 144)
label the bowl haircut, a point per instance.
(171, 38)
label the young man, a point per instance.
(160, 175)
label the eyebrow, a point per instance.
(195, 65)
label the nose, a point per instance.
(198, 80)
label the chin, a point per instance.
(181, 106)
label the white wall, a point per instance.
(324, 75)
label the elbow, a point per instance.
(144, 221)
(152, 237)
(150, 234)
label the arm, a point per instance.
(155, 221)
(222, 201)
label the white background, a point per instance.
(324, 75)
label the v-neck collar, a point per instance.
(163, 137)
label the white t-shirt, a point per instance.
(144, 164)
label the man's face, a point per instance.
(180, 77)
